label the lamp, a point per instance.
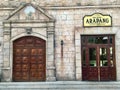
(62, 42)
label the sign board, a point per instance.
(97, 20)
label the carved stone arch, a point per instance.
(32, 34)
(20, 11)
(16, 27)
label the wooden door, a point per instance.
(29, 59)
(98, 58)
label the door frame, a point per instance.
(15, 27)
(48, 36)
(11, 51)
(98, 46)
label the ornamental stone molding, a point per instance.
(15, 26)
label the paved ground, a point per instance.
(60, 85)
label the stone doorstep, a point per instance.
(60, 85)
(92, 83)
(65, 82)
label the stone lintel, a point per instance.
(28, 21)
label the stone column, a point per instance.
(50, 56)
(6, 70)
(78, 53)
(1, 48)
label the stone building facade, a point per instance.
(60, 24)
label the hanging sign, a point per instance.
(97, 20)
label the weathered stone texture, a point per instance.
(64, 31)
(1, 44)
(68, 27)
(15, 3)
(66, 20)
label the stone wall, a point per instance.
(3, 15)
(79, 30)
(14, 3)
(69, 21)
(65, 28)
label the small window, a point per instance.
(84, 57)
(29, 11)
(92, 56)
(98, 40)
(103, 57)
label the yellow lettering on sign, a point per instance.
(97, 19)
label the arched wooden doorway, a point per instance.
(29, 59)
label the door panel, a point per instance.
(85, 75)
(104, 73)
(18, 59)
(93, 74)
(112, 73)
(25, 76)
(104, 63)
(93, 68)
(103, 57)
(92, 57)
(29, 58)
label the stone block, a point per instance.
(70, 17)
(58, 50)
(51, 79)
(58, 55)
(78, 49)
(77, 16)
(50, 38)
(66, 60)
(70, 22)
(14, 32)
(50, 57)
(1, 58)
(72, 49)
(20, 31)
(50, 49)
(6, 45)
(78, 62)
(1, 32)
(71, 60)
(78, 56)
(6, 52)
(1, 40)
(77, 36)
(78, 77)
(40, 31)
(78, 70)
(6, 75)
(6, 63)
(63, 17)
(6, 38)
(57, 64)
(77, 42)
(50, 63)
(51, 73)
